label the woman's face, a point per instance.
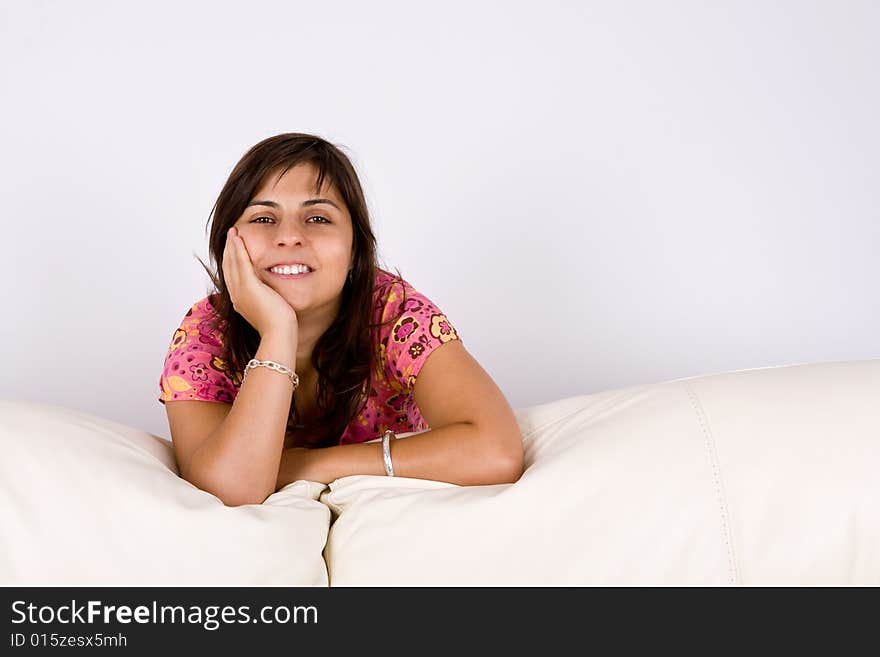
(287, 222)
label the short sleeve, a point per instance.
(420, 329)
(194, 365)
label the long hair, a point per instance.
(345, 356)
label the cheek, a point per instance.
(253, 244)
(250, 233)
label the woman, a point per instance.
(307, 352)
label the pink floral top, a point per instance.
(195, 370)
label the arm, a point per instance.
(476, 439)
(457, 453)
(239, 461)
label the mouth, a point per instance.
(302, 275)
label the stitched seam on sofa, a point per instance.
(716, 475)
(610, 401)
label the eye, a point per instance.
(317, 216)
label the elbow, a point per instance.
(228, 501)
(510, 464)
(242, 497)
(514, 457)
(230, 496)
(504, 454)
(511, 472)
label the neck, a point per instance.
(311, 326)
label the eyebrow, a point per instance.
(304, 204)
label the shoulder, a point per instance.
(203, 309)
(195, 367)
(413, 326)
(198, 312)
(384, 283)
(200, 326)
(203, 315)
(395, 295)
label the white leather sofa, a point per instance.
(765, 476)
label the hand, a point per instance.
(259, 304)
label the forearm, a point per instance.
(458, 453)
(239, 462)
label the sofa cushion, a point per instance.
(760, 476)
(89, 502)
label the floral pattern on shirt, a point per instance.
(195, 369)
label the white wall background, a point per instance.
(597, 194)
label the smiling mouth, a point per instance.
(301, 275)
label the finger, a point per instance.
(243, 252)
(228, 251)
(230, 269)
(247, 265)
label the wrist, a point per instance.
(279, 346)
(285, 334)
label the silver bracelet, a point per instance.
(272, 365)
(386, 451)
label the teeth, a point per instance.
(296, 269)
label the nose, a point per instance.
(288, 232)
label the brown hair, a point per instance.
(345, 355)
